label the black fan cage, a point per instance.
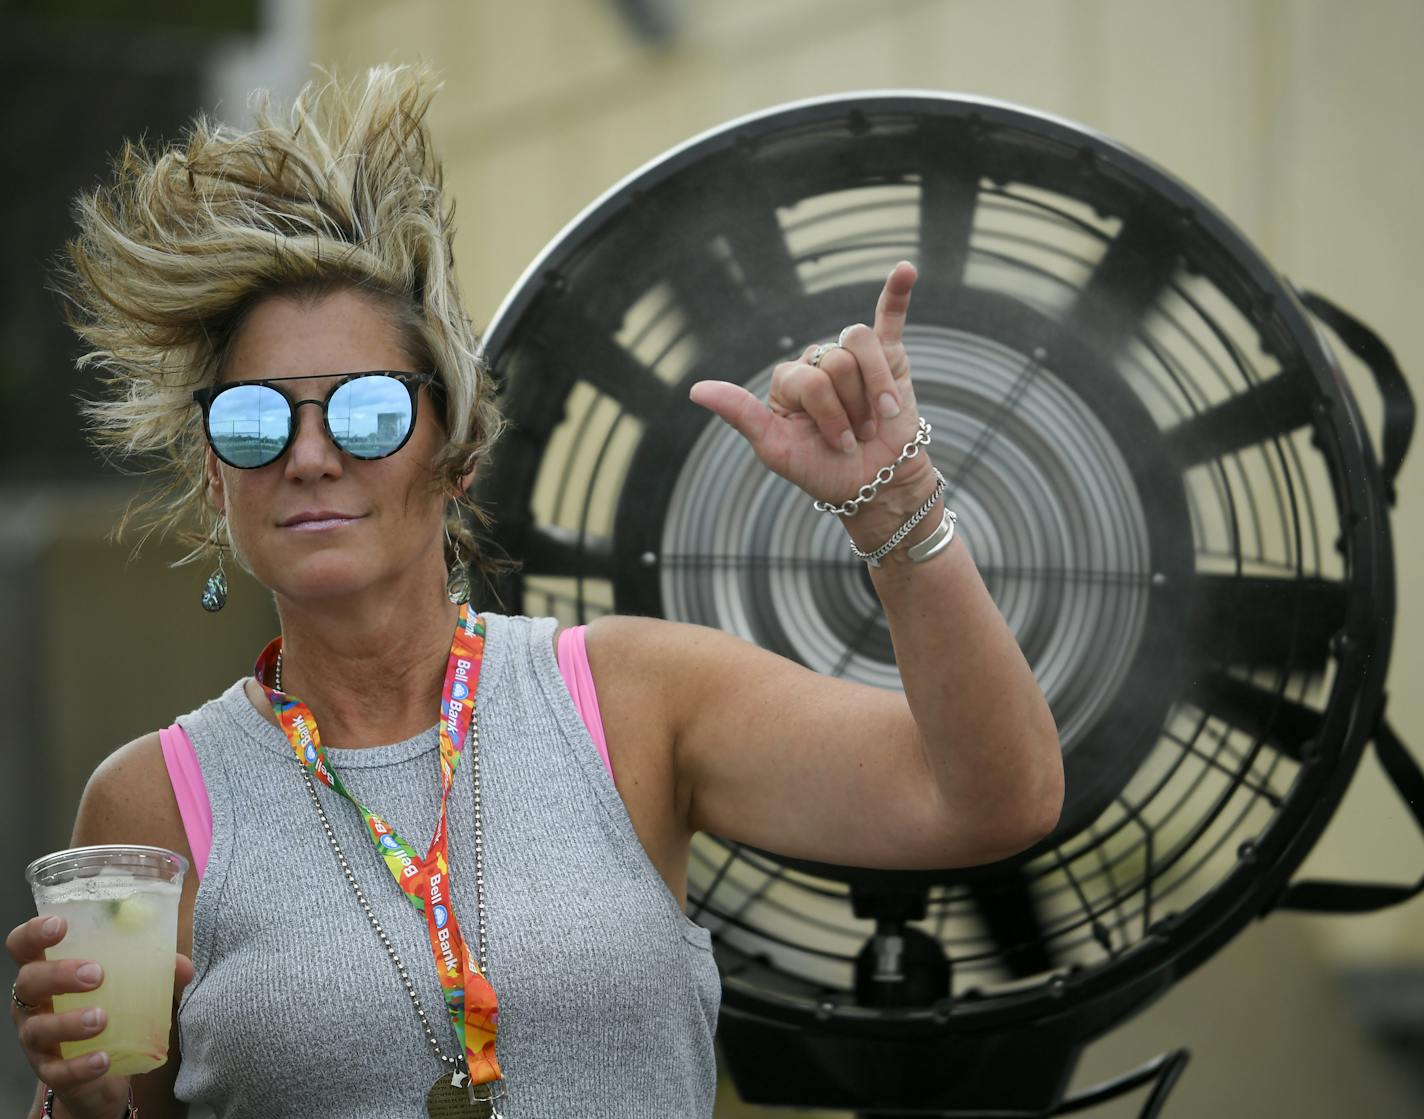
(1156, 465)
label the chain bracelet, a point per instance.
(851, 506)
(874, 558)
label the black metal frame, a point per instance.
(707, 224)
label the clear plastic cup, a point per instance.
(122, 907)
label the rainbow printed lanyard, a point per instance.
(471, 1001)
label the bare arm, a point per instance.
(963, 768)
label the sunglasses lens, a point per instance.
(370, 417)
(248, 425)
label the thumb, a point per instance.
(739, 408)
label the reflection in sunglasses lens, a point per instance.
(249, 424)
(368, 417)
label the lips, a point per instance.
(312, 519)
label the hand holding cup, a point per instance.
(86, 1003)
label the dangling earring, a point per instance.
(457, 583)
(215, 589)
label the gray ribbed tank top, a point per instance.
(608, 994)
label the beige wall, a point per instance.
(113, 646)
(1296, 117)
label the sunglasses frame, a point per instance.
(411, 381)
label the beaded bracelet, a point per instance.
(47, 1112)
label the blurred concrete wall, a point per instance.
(100, 648)
(1296, 117)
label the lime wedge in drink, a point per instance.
(132, 913)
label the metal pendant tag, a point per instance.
(445, 1101)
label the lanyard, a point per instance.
(469, 998)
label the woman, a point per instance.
(235, 285)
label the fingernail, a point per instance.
(888, 408)
(89, 973)
(50, 926)
(99, 1061)
(847, 442)
(90, 1017)
(867, 430)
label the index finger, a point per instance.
(893, 306)
(28, 941)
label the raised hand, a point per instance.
(829, 426)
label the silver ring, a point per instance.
(822, 350)
(20, 1004)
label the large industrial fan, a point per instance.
(1159, 470)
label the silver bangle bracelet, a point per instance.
(874, 558)
(937, 541)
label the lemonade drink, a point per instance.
(122, 907)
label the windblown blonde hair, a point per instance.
(342, 191)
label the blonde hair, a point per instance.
(342, 191)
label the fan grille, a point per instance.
(1141, 434)
(1046, 503)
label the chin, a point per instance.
(315, 581)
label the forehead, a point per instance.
(295, 336)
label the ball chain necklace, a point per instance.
(450, 1096)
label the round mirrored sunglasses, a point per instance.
(368, 415)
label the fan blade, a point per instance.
(1246, 620)
(1010, 914)
(710, 296)
(1135, 270)
(1262, 713)
(949, 195)
(553, 550)
(1271, 407)
(758, 245)
(604, 364)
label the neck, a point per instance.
(370, 672)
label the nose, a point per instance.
(312, 454)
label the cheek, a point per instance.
(424, 492)
(236, 522)
(242, 498)
(422, 499)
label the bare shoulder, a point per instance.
(673, 673)
(651, 654)
(129, 799)
(631, 658)
(686, 659)
(652, 641)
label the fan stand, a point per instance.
(902, 967)
(1161, 1072)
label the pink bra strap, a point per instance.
(573, 666)
(186, 777)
